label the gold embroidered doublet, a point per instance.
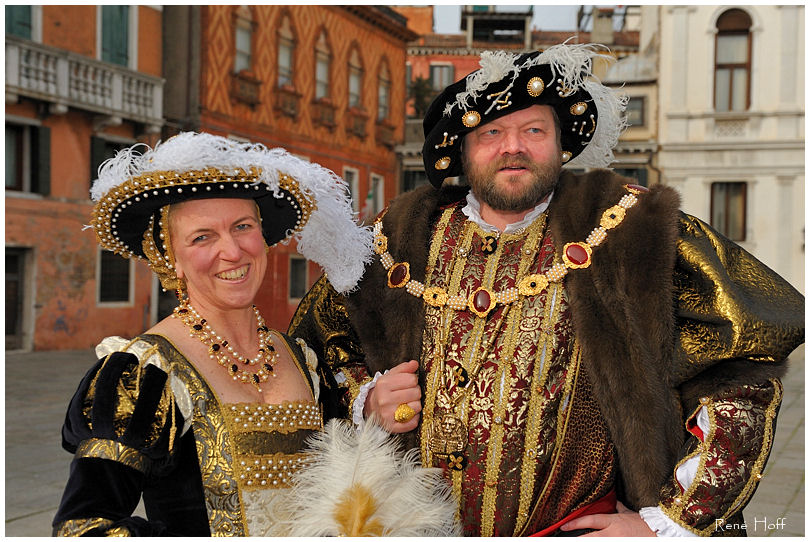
(519, 399)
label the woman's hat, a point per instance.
(296, 199)
(590, 114)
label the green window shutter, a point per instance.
(41, 160)
(18, 21)
(115, 34)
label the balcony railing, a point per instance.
(65, 79)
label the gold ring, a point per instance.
(404, 413)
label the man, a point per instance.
(592, 343)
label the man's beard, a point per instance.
(481, 180)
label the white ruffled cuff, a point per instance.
(360, 402)
(661, 524)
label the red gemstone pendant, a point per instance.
(480, 302)
(399, 275)
(577, 255)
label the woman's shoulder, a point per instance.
(127, 396)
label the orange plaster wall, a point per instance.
(150, 46)
(66, 315)
(420, 18)
(70, 27)
(65, 312)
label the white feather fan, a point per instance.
(362, 484)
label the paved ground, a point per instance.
(39, 385)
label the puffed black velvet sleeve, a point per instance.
(123, 427)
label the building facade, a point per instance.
(731, 95)
(81, 82)
(327, 83)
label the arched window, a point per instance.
(286, 53)
(355, 79)
(732, 61)
(323, 63)
(383, 92)
(243, 36)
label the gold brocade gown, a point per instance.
(203, 467)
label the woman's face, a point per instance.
(219, 250)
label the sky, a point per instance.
(447, 18)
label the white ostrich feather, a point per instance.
(332, 238)
(612, 122)
(406, 499)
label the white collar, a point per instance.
(473, 212)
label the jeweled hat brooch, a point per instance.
(590, 114)
(296, 199)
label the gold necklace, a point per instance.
(221, 351)
(481, 302)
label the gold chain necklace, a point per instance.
(481, 302)
(447, 434)
(221, 351)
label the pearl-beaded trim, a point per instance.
(268, 471)
(284, 418)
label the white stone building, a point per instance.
(731, 122)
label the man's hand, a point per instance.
(397, 386)
(624, 523)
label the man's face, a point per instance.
(513, 162)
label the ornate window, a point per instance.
(355, 79)
(635, 111)
(441, 76)
(383, 93)
(732, 61)
(376, 194)
(286, 53)
(323, 66)
(298, 278)
(243, 35)
(728, 209)
(352, 177)
(115, 278)
(28, 158)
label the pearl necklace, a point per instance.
(222, 352)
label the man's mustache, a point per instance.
(514, 162)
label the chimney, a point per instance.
(603, 26)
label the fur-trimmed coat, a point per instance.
(669, 312)
(626, 312)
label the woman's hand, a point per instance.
(399, 385)
(624, 523)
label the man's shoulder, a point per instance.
(424, 200)
(600, 187)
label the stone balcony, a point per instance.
(64, 79)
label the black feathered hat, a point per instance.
(591, 114)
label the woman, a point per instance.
(205, 415)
